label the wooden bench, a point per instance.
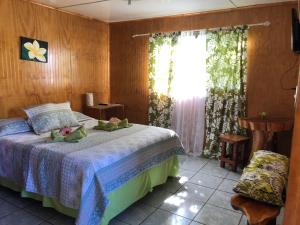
(239, 143)
(257, 213)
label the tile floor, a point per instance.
(199, 196)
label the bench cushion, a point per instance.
(264, 179)
(271, 161)
(261, 185)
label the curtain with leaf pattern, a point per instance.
(178, 85)
(161, 60)
(226, 65)
(226, 68)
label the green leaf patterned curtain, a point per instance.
(161, 52)
(226, 68)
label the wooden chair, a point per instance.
(239, 143)
(257, 213)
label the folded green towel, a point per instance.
(101, 124)
(112, 126)
(74, 136)
(56, 136)
(124, 124)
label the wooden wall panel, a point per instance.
(269, 56)
(78, 57)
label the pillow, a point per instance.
(81, 117)
(261, 185)
(47, 117)
(13, 126)
(270, 161)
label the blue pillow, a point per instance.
(51, 116)
(13, 126)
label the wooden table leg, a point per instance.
(262, 140)
(234, 157)
(223, 154)
(270, 141)
(258, 141)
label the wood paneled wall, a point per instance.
(269, 56)
(78, 57)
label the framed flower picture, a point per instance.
(33, 50)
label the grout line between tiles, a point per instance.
(204, 203)
(176, 214)
(215, 190)
(10, 213)
(195, 172)
(240, 220)
(149, 215)
(44, 220)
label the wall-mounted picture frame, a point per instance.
(33, 50)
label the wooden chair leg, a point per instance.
(223, 154)
(234, 157)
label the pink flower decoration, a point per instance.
(115, 120)
(65, 131)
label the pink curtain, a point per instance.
(189, 90)
(188, 121)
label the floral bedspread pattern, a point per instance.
(79, 175)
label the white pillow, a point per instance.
(50, 116)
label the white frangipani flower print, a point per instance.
(34, 51)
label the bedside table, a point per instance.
(105, 112)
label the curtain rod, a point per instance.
(265, 24)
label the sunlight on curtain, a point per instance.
(183, 66)
(188, 63)
(162, 64)
(189, 90)
(161, 49)
(177, 85)
(190, 66)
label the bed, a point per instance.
(95, 179)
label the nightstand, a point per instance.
(105, 111)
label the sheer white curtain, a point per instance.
(189, 90)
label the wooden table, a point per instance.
(263, 130)
(105, 111)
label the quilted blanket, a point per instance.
(81, 175)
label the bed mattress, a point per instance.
(81, 175)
